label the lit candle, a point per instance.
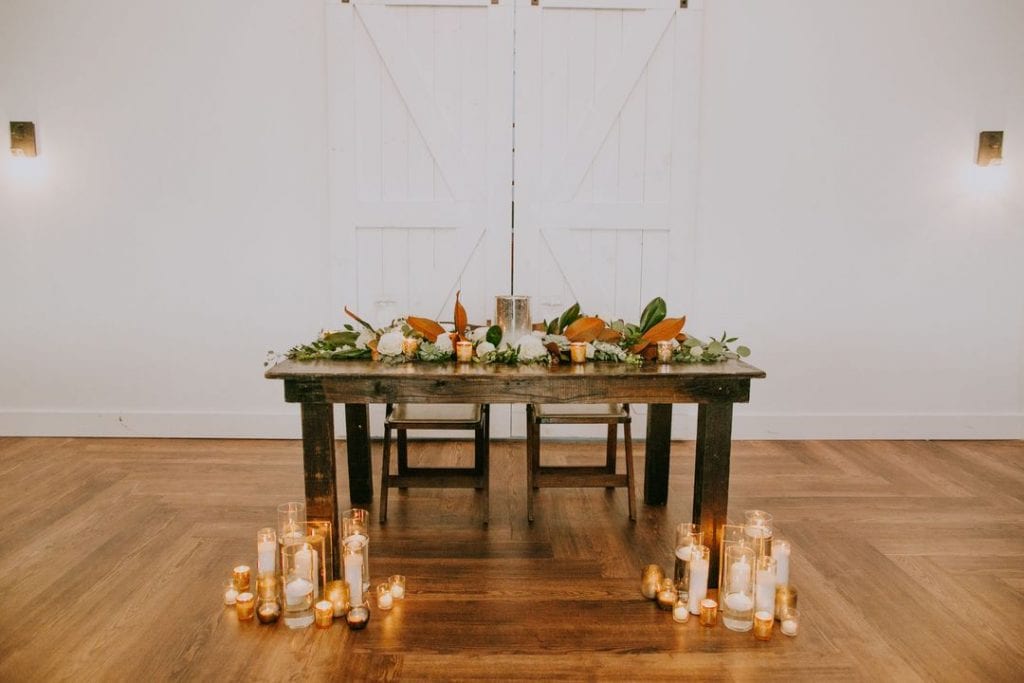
(665, 352)
(464, 351)
(650, 580)
(242, 577)
(781, 552)
(410, 346)
(354, 572)
(764, 585)
(268, 611)
(230, 593)
(708, 612)
(357, 617)
(323, 612)
(681, 611)
(266, 551)
(578, 352)
(337, 592)
(763, 625)
(244, 604)
(790, 622)
(384, 598)
(667, 595)
(397, 583)
(698, 588)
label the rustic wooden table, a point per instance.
(317, 385)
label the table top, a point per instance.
(366, 381)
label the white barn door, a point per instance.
(607, 108)
(420, 134)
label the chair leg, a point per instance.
(486, 449)
(630, 471)
(532, 446)
(385, 475)
(613, 438)
(403, 453)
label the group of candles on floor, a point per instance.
(754, 587)
(293, 563)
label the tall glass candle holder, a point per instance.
(687, 536)
(700, 565)
(758, 529)
(781, 552)
(355, 525)
(325, 529)
(266, 552)
(316, 559)
(764, 585)
(299, 584)
(291, 522)
(731, 534)
(737, 588)
(512, 315)
(353, 567)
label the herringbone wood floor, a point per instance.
(909, 558)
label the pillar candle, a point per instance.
(781, 551)
(764, 594)
(739, 573)
(265, 560)
(354, 577)
(698, 589)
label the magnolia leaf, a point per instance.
(664, 331)
(428, 328)
(538, 327)
(461, 319)
(360, 320)
(649, 353)
(609, 335)
(553, 327)
(568, 318)
(494, 335)
(347, 338)
(584, 329)
(653, 313)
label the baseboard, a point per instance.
(285, 425)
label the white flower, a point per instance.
(364, 338)
(531, 348)
(560, 339)
(390, 344)
(539, 334)
(696, 351)
(609, 349)
(483, 348)
(478, 334)
(590, 351)
(444, 343)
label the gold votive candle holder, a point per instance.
(245, 605)
(763, 625)
(323, 613)
(667, 595)
(230, 593)
(268, 610)
(665, 351)
(650, 581)
(410, 347)
(708, 612)
(578, 352)
(385, 600)
(785, 598)
(789, 621)
(464, 351)
(242, 576)
(680, 611)
(337, 593)
(358, 616)
(397, 586)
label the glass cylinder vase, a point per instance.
(291, 522)
(355, 526)
(512, 315)
(757, 527)
(687, 536)
(737, 589)
(299, 584)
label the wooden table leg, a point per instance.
(656, 454)
(319, 466)
(711, 477)
(357, 438)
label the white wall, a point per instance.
(171, 232)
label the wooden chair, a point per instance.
(406, 416)
(612, 414)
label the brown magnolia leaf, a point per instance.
(360, 320)
(461, 319)
(584, 329)
(649, 353)
(540, 327)
(663, 331)
(428, 328)
(555, 352)
(609, 335)
(681, 337)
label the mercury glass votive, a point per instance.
(650, 581)
(763, 625)
(268, 610)
(242, 577)
(789, 621)
(667, 595)
(410, 346)
(337, 592)
(680, 611)
(245, 605)
(512, 315)
(323, 613)
(708, 612)
(464, 351)
(397, 585)
(358, 616)
(578, 352)
(385, 600)
(785, 599)
(665, 350)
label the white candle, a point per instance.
(297, 591)
(789, 626)
(354, 578)
(230, 596)
(397, 591)
(366, 555)
(266, 552)
(680, 613)
(739, 574)
(780, 551)
(738, 602)
(384, 600)
(698, 588)
(764, 595)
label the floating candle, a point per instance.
(397, 583)
(358, 617)
(790, 622)
(384, 598)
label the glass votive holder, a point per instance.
(385, 600)
(242, 576)
(410, 347)
(397, 585)
(323, 612)
(245, 605)
(578, 352)
(358, 616)
(667, 595)
(650, 581)
(785, 598)
(763, 625)
(708, 612)
(230, 592)
(665, 351)
(338, 594)
(680, 611)
(268, 610)
(789, 622)
(464, 351)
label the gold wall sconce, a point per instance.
(990, 148)
(23, 139)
